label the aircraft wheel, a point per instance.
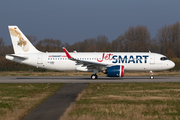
(151, 75)
(94, 76)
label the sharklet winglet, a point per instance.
(67, 53)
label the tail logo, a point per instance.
(22, 43)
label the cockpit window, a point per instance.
(164, 58)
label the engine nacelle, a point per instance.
(115, 71)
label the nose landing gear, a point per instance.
(151, 75)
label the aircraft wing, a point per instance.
(85, 63)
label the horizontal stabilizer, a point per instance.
(16, 56)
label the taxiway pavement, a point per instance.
(56, 105)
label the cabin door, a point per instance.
(152, 59)
(40, 59)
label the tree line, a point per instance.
(135, 39)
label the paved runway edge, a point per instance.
(54, 107)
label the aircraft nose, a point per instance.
(171, 64)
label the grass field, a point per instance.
(16, 100)
(127, 101)
(75, 73)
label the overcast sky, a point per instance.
(75, 20)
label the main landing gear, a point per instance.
(94, 76)
(151, 75)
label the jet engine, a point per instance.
(115, 71)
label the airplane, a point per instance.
(111, 63)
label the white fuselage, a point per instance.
(132, 61)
